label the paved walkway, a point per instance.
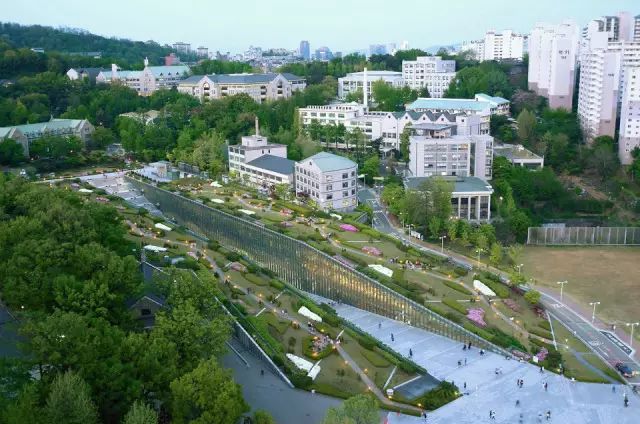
(569, 402)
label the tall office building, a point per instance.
(553, 53)
(305, 50)
(377, 49)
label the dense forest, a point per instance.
(78, 41)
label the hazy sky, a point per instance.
(343, 25)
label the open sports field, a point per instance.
(606, 274)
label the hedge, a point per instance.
(499, 289)
(456, 286)
(375, 359)
(277, 284)
(545, 325)
(453, 304)
(258, 281)
(540, 333)
(327, 389)
(444, 393)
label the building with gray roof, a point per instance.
(329, 180)
(25, 134)
(470, 196)
(147, 81)
(260, 87)
(89, 74)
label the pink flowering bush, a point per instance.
(512, 304)
(542, 354)
(476, 315)
(370, 250)
(348, 227)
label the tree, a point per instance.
(634, 169)
(354, 96)
(360, 409)
(404, 144)
(207, 395)
(514, 252)
(141, 413)
(11, 152)
(526, 127)
(263, 417)
(532, 296)
(282, 191)
(102, 137)
(496, 253)
(69, 401)
(603, 158)
(371, 168)
(25, 408)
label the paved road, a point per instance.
(593, 337)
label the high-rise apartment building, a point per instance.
(504, 45)
(431, 72)
(304, 50)
(629, 134)
(553, 51)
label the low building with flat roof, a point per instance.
(518, 155)
(268, 171)
(470, 196)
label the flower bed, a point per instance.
(542, 355)
(476, 315)
(370, 250)
(348, 227)
(512, 304)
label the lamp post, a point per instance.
(632, 325)
(519, 268)
(593, 314)
(442, 246)
(562, 283)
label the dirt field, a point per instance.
(606, 274)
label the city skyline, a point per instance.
(333, 23)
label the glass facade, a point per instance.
(303, 266)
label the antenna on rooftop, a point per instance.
(257, 127)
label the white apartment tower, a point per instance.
(629, 135)
(553, 53)
(503, 45)
(429, 71)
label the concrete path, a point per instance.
(569, 402)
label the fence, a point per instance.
(584, 236)
(303, 266)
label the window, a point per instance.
(345, 175)
(329, 196)
(345, 184)
(345, 194)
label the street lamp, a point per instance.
(442, 240)
(519, 268)
(632, 325)
(562, 283)
(593, 314)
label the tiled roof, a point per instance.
(274, 164)
(168, 70)
(123, 74)
(241, 78)
(328, 162)
(492, 99)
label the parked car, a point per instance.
(625, 370)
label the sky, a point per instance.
(342, 25)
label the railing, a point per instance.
(302, 266)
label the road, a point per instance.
(597, 341)
(605, 347)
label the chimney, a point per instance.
(146, 62)
(114, 72)
(365, 89)
(257, 128)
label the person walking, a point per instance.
(465, 361)
(410, 353)
(548, 415)
(613, 388)
(392, 339)
(262, 372)
(546, 386)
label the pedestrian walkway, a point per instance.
(569, 402)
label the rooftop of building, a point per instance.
(492, 99)
(122, 74)
(52, 125)
(328, 162)
(514, 151)
(375, 74)
(274, 164)
(461, 185)
(431, 126)
(241, 78)
(449, 104)
(168, 70)
(433, 116)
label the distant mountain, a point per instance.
(74, 40)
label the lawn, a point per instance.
(588, 270)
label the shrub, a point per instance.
(366, 341)
(545, 325)
(444, 393)
(307, 349)
(453, 304)
(460, 271)
(277, 284)
(498, 288)
(457, 286)
(300, 380)
(532, 296)
(408, 367)
(213, 245)
(541, 333)
(233, 256)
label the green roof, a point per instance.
(166, 70)
(449, 104)
(460, 184)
